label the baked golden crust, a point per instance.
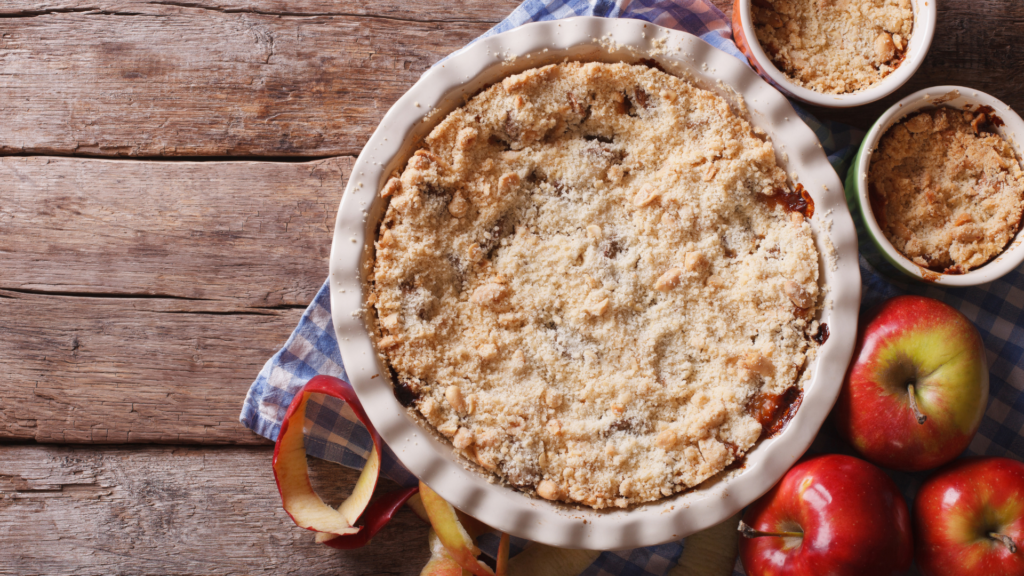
(580, 281)
(834, 46)
(945, 193)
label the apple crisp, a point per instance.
(834, 46)
(585, 278)
(947, 193)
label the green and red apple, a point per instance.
(916, 390)
(969, 519)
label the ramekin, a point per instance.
(960, 98)
(925, 16)
(433, 460)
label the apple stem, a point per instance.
(749, 532)
(1005, 540)
(913, 405)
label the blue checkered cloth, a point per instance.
(997, 309)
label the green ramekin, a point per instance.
(960, 98)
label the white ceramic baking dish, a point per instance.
(438, 92)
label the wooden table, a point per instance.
(169, 176)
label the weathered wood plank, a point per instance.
(421, 10)
(164, 510)
(173, 81)
(228, 254)
(159, 79)
(112, 370)
(247, 233)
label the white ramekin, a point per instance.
(959, 98)
(925, 15)
(401, 131)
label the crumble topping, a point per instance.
(834, 46)
(585, 278)
(945, 192)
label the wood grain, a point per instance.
(251, 234)
(164, 80)
(266, 78)
(140, 299)
(106, 370)
(181, 511)
(418, 10)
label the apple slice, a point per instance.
(376, 517)
(501, 568)
(354, 505)
(473, 526)
(336, 527)
(457, 532)
(451, 533)
(441, 562)
(416, 503)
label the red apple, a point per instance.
(918, 385)
(969, 519)
(832, 514)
